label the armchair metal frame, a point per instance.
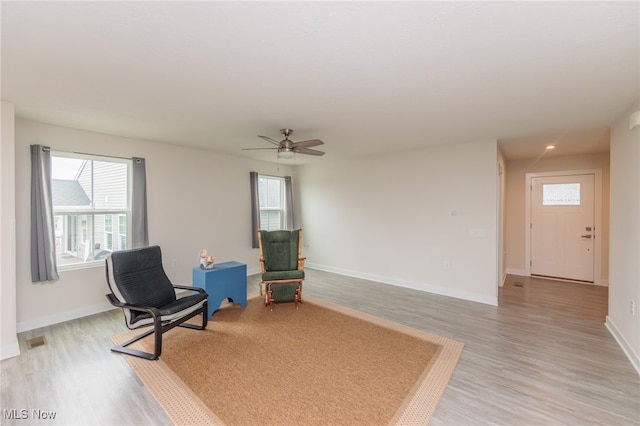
(159, 327)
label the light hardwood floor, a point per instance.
(543, 357)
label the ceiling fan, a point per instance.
(287, 148)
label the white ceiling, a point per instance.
(365, 77)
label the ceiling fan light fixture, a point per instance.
(285, 153)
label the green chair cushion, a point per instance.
(283, 275)
(280, 250)
(285, 292)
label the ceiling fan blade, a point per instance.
(268, 139)
(308, 144)
(308, 151)
(253, 149)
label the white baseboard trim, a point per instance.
(427, 288)
(9, 351)
(626, 347)
(504, 279)
(83, 312)
(604, 282)
(514, 271)
(253, 271)
(63, 316)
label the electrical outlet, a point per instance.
(632, 307)
(446, 264)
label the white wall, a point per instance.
(8, 340)
(515, 205)
(196, 199)
(624, 275)
(404, 218)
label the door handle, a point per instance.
(588, 236)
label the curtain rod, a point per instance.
(272, 176)
(48, 149)
(138, 159)
(105, 156)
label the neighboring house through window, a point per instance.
(91, 206)
(272, 206)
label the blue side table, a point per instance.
(227, 280)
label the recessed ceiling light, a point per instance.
(550, 147)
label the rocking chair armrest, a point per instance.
(187, 287)
(301, 263)
(149, 309)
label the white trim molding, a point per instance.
(626, 347)
(427, 288)
(9, 351)
(64, 316)
(514, 271)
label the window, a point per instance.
(561, 194)
(271, 195)
(91, 207)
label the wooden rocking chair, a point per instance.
(282, 266)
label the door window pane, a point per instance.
(561, 194)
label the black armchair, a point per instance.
(141, 288)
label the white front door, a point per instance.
(562, 226)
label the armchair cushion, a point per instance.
(282, 275)
(142, 277)
(170, 311)
(282, 250)
(284, 292)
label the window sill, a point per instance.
(76, 266)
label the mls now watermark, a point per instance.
(24, 414)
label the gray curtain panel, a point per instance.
(140, 228)
(288, 202)
(255, 209)
(43, 245)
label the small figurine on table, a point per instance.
(206, 260)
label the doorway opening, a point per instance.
(563, 222)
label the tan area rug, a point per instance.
(322, 364)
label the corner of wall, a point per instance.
(624, 244)
(8, 337)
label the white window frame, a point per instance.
(127, 234)
(92, 212)
(108, 232)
